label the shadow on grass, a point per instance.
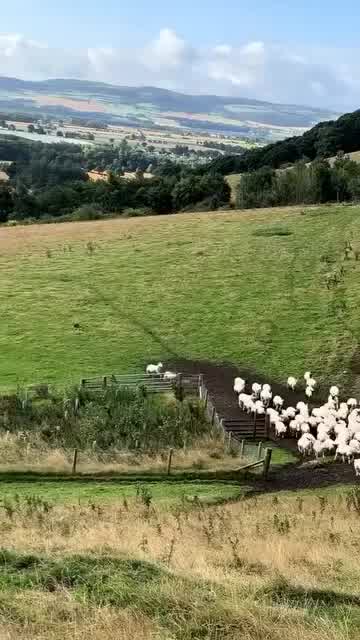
(9, 477)
(282, 592)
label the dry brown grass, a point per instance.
(312, 543)
(246, 550)
(47, 616)
(30, 453)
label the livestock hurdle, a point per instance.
(152, 384)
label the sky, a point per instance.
(303, 52)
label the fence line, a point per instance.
(153, 384)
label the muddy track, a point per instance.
(306, 475)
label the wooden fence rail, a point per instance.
(153, 384)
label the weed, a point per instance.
(281, 524)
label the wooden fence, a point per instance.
(152, 383)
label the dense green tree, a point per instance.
(6, 203)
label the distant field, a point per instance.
(245, 287)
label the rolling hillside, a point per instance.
(243, 287)
(150, 106)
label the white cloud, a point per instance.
(278, 72)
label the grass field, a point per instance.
(245, 287)
(267, 567)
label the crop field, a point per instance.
(243, 287)
(273, 566)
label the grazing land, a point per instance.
(269, 566)
(243, 287)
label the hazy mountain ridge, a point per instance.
(154, 106)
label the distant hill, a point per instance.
(151, 106)
(324, 140)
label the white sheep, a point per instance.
(344, 452)
(291, 383)
(266, 387)
(259, 408)
(249, 405)
(293, 426)
(305, 428)
(357, 466)
(170, 376)
(307, 375)
(290, 413)
(309, 391)
(266, 396)
(156, 369)
(305, 444)
(352, 403)
(343, 411)
(239, 385)
(280, 429)
(278, 402)
(256, 389)
(273, 415)
(334, 392)
(330, 445)
(355, 446)
(319, 448)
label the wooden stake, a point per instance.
(74, 461)
(255, 417)
(259, 451)
(267, 460)
(169, 461)
(229, 441)
(242, 448)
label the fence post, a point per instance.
(267, 426)
(206, 397)
(82, 382)
(242, 448)
(105, 381)
(267, 460)
(255, 417)
(229, 437)
(169, 461)
(259, 451)
(201, 385)
(213, 415)
(75, 461)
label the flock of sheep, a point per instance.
(333, 428)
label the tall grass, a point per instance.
(268, 567)
(116, 419)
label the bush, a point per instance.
(115, 418)
(87, 212)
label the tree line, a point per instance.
(313, 183)
(50, 180)
(324, 140)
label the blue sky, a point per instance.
(278, 50)
(91, 22)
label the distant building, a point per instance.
(96, 176)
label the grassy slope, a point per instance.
(202, 286)
(274, 567)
